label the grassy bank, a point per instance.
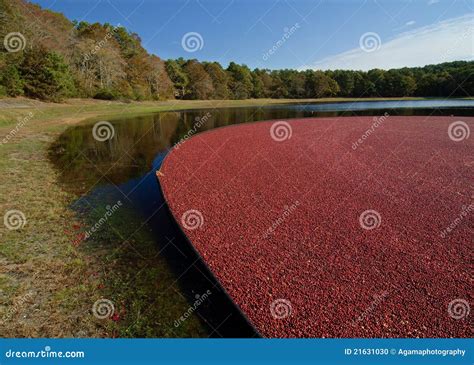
(75, 110)
(49, 280)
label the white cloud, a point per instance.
(431, 2)
(411, 22)
(449, 40)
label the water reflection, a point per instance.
(138, 140)
(124, 168)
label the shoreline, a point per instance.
(49, 234)
(232, 239)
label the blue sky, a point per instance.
(297, 34)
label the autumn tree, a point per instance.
(105, 61)
(345, 80)
(363, 87)
(178, 77)
(220, 80)
(159, 83)
(200, 83)
(319, 85)
(241, 81)
(296, 83)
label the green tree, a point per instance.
(427, 85)
(262, 81)
(12, 81)
(279, 88)
(258, 87)
(200, 83)
(159, 83)
(346, 82)
(46, 75)
(319, 85)
(178, 77)
(296, 84)
(363, 87)
(398, 83)
(377, 78)
(241, 81)
(220, 80)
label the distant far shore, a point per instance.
(22, 102)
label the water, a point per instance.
(123, 168)
(390, 104)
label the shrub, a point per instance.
(46, 75)
(11, 81)
(106, 94)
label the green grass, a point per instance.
(82, 109)
(35, 257)
(47, 284)
(136, 279)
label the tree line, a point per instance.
(53, 58)
(209, 80)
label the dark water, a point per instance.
(390, 104)
(124, 168)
